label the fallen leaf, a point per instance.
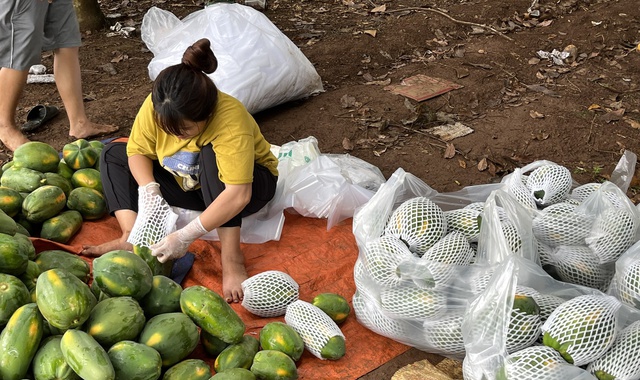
(594, 107)
(347, 101)
(536, 115)
(379, 9)
(371, 32)
(541, 136)
(534, 61)
(450, 151)
(545, 23)
(633, 123)
(612, 115)
(347, 144)
(462, 163)
(378, 153)
(482, 165)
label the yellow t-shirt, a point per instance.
(234, 134)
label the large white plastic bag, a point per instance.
(257, 63)
(319, 185)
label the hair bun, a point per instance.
(199, 56)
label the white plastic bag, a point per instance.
(257, 63)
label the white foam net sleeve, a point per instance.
(612, 233)
(155, 220)
(268, 294)
(549, 184)
(418, 222)
(583, 328)
(545, 253)
(516, 187)
(561, 224)
(367, 311)
(411, 302)
(537, 363)
(524, 330)
(314, 325)
(627, 284)
(512, 237)
(622, 361)
(547, 303)
(580, 265)
(445, 334)
(464, 220)
(382, 257)
(583, 192)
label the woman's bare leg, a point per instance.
(11, 86)
(232, 258)
(66, 68)
(126, 219)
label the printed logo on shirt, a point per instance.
(184, 164)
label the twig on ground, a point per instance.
(441, 13)
(430, 136)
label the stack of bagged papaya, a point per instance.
(125, 320)
(47, 194)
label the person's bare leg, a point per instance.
(126, 219)
(12, 84)
(232, 258)
(66, 68)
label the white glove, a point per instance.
(151, 188)
(175, 245)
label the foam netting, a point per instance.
(367, 310)
(580, 265)
(561, 224)
(411, 302)
(549, 184)
(584, 327)
(314, 325)
(628, 284)
(445, 334)
(622, 361)
(613, 232)
(418, 222)
(537, 363)
(155, 220)
(464, 220)
(268, 294)
(382, 257)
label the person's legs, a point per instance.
(11, 86)
(231, 256)
(232, 259)
(21, 28)
(66, 68)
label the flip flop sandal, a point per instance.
(38, 116)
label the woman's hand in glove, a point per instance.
(175, 245)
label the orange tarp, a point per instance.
(318, 260)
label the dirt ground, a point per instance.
(582, 112)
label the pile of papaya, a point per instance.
(120, 318)
(46, 193)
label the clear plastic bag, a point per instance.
(257, 63)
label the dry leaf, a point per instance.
(482, 165)
(450, 151)
(371, 32)
(534, 61)
(633, 123)
(546, 23)
(462, 163)
(594, 107)
(347, 144)
(380, 9)
(536, 115)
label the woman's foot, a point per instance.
(99, 250)
(233, 274)
(12, 138)
(89, 129)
